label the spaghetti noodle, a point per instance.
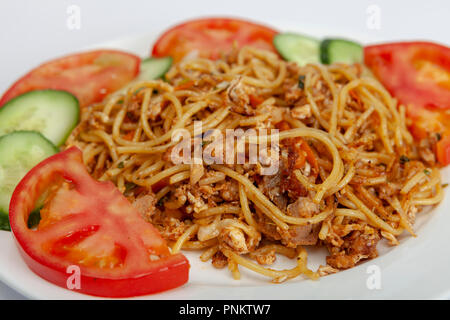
(349, 171)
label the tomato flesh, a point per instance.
(212, 37)
(418, 75)
(90, 76)
(91, 225)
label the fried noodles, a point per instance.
(349, 171)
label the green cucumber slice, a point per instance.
(154, 68)
(340, 50)
(298, 48)
(19, 152)
(53, 113)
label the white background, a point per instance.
(34, 31)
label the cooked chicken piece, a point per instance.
(359, 245)
(301, 112)
(237, 97)
(275, 112)
(209, 231)
(264, 257)
(234, 238)
(238, 236)
(300, 235)
(170, 228)
(177, 199)
(271, 186)
(197, 203)
(219, 260)
(387, 190)
(295, 235)
(229, 190)
(267, 226)
(293, 93)
(291, 158)
(145, 205)
(304, 207)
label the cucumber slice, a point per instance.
(340, 50)
(154, 68)
(19, 152)
(53, 113)
(298, 48)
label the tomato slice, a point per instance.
(90, 76)
(443, 150)
(212, 37)
(418, 75)
(90, 224)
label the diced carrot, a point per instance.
(129, 136)
(255, 100)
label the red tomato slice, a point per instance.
(211, 37)
(90, 76)
(90, 224)
(418, 75)
(443, 150)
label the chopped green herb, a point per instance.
(438, 136)
(120, 101)
(130, 115)
(162, 200)
(120, 165)
(445, 185)
(404, 159)
(138, 90)
(427, 172)
(301, 82)
(205, 142)
(129, 186)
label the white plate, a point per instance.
(417, 268)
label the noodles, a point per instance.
(346, 171)
(185, 237)
(276, 275)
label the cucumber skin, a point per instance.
(33, 92)
(325, 56)
(4, 221)
(33, 220)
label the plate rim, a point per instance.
(237, 291)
